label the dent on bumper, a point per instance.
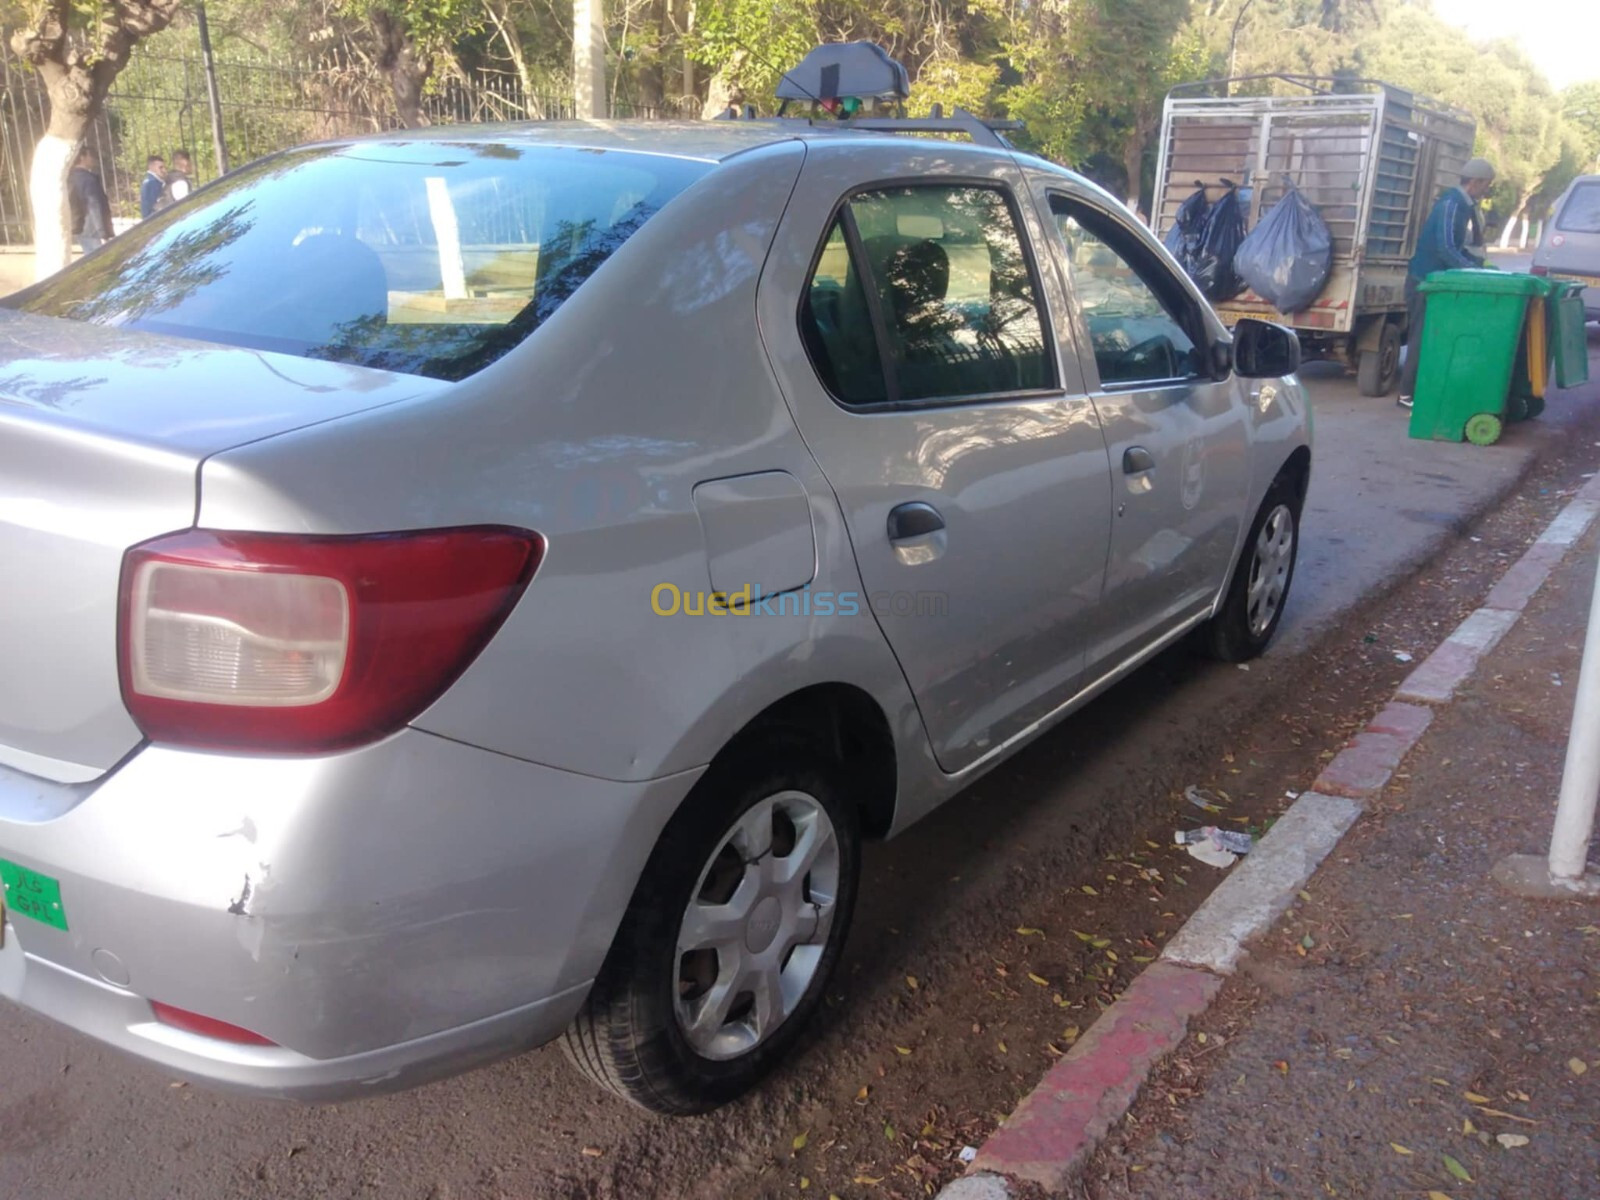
(119, 1018)
(386, 915)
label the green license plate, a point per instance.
(31, 894)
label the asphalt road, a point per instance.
(81, 1123)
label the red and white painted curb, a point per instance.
(1057, 1126)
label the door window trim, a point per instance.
(840, 215)
(1192, 322)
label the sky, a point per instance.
(1561, 36)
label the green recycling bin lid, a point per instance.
(1485, 283)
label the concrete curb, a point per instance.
(1057, 1126)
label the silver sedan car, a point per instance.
(473, 588)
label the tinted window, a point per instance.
(1581, 212)
(430, 258)
(1134, 311)
(945, 270)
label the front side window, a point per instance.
(1135, 319)
(1581, 212)
(926, 294)
(433, 258)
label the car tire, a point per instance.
(644, 1032)
(1377, 370)
(1253, 605)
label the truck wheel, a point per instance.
(1378, 369)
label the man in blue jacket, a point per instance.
(155, 179)
(1451, 239)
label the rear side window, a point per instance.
(1581, 212)
(433, 258)
(924, 294)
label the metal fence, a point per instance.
(158, 105)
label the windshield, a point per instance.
(1581, 212)
(432, 258)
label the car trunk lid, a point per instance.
(102, 433)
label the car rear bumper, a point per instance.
(383, 916)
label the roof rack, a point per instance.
(983, 131)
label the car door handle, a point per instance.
(1136, 460)
(913, 520)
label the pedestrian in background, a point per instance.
(179, 180)
(87, 203)
(1451, 240)
(153, 184)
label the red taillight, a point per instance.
(182, 1018)
(1538, 270)
(278, 642)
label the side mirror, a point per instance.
(1264, 350)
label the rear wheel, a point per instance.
(1256, 594)
(730, 938)
(1379, 369)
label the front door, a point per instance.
(1177, 436)
(931, 386)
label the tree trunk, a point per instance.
(588, 59)
(1511, 224)
(407, 73)
(722, 92)
(1133, 164)
(47, 191)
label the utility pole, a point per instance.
(213, 99)
(588, 59)
(1565, 871)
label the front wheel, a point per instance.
(730, 938)
(1256, 594)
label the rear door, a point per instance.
(911, 329)
(1177, 437)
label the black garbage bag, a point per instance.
(1288, 255)
(1212, 268)
(1183, 239)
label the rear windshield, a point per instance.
(430, 258)
(1581, 212)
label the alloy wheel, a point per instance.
(1270, 563)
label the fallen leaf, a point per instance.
(1112, 955)
(804, 1183)
(1440, 1082)
(1099, 943)
(1523, 1096)
(1070, 1034)
(1089, 891)
(1511, 1140)
(1143, 958)
(902, 1049)
(1054, 1049)
(1201, 1038)
(888, 1133)
(592, 1152)
(1307, 942)
(1026, 932)
(1475, 1098)
(1456, 1169)
(1283, 1067)
(862, 1094)
(1437, 1196)
(1306, 896)
(868, 1180)
(1399, 1149)
(1041, 982)
(911, 982)
(1577, 1066)
(800, 1140)
(1002, 1046)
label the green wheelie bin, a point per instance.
(1471, 335)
